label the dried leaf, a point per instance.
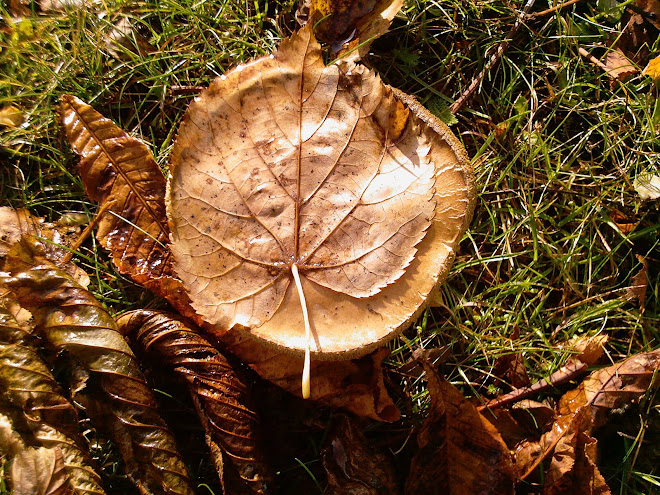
(120, 174)
(39, 471)
(285, 166)
(647, 185)
(347, 25)
(356, 385)
(639, 283)
(11, 116)
(618, 66)
(588, 349)
(613, 387)
(69, 319)
(573, 467)
(11, 442)
(460, 452)
(26, 383)
(352, 466)
(653, 69)
(219, 390)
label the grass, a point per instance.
(556, 144)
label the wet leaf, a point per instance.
(341, 184)
(460, 452)
(69, 319)
(356, 385)
(39, 471)
(219, 390)
(121, 175)
(352, 466)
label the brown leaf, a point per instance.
(118, 170)
(588, 349)
(613, 387)
(69, 319)
(39, 471)
(639, 283)
(11, 116)
(27, 384)
(460, 452)
(356, 385)
(573, 467)
(349, 24)
(618, 66)
(15, 224)
(352, 466)
(219, 390)
(286, 166)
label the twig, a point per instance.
(469, 92)
(85, 233)
(564, 374)
(554, 9)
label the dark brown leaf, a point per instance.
(459, 451)
(69, 319)
(639, 283)
(356, 385)
(219, 390)
(572, 469)
(352, 466)
(119, 170)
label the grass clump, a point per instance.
(559, 232)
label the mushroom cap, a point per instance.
(286, 161)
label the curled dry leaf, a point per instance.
(302, 189)
(460, 452)
(27, 384)
(69, 319)
(121, 175)
(352, 466)
(219, 390)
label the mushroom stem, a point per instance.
(308, 332)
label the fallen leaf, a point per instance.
(14, 224)
(121, 175)
(460, 452)
(653, 69)
(11, 116)
(352, 466)
(639, 284)
(124, 39)
(613, 387)
(587, 349)
(39, 471)
(116, 395)
(617, 65)
(27, 384)
(11, 442)
(647, 185)
(334, 196)
(356, 385)
(218, 389)
(349, 25)
(573, 467)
